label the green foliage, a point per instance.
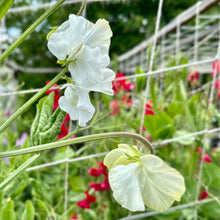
(46, 125)
(29, 211)
(4, 6)
(8, 212)
(160, 125)
(140, 81)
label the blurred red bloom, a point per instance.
(64, 127)
(85, 204)
(95, 172)
(56, 95)
(104, 185)
(203, 195)
(64, 131)
(215, 67)
(121, 85)
(117, 104)
(199, 150)
(115, 107)
(73, 216)
(127, 100)
(193, 76)
(149, 109)
(148, 137)
(217, 84)
(206, 157)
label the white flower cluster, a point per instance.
(84, 47)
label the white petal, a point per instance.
(99, 36)
(77, 104)
(68, 108)
(86, 109)
(87, 71)
(163, 184)
(124, 181)
(58, 46)
(105, 85)
(117, 157)
(69, 36)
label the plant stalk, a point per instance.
(24, 107)
(93, 137)
(24, 35)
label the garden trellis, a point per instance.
(196, 35)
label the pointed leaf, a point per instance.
(29, 211)
(4, 6)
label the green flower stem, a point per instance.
(24, 107)
(82, 8)
(78, 140)
(30, 30)
(18, 171)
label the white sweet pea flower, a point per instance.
(77, 104)
(138, 180)
(83, 46)
(76, 100)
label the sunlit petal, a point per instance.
(99, 36)
(163, 184)
(77, 104)
(124, 181)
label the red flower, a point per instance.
(118, 84)
(85, 204)
(64, 127)
(95, 172)
(149, 109)
(148, 137)
(203, 195)
(121, 85)
(199, 150)
(193, 76)
(64, 131)
(215, 67)
(129, 86)
(73, 216)
(217, 84)
(207, 158)
(115, 107)
(127, 100)
(56, 95)
(104, 185)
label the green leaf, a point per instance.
(174, 109)
(1, 199)
(184, 141)
(4, 6)
(77, 184)
(46, 125)
(140, 81)
(61, 153)
(160, 125)
(29, 211)
(50, 132)
(8, 211)
(18, 171)
(211, 175)
(210, 210)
